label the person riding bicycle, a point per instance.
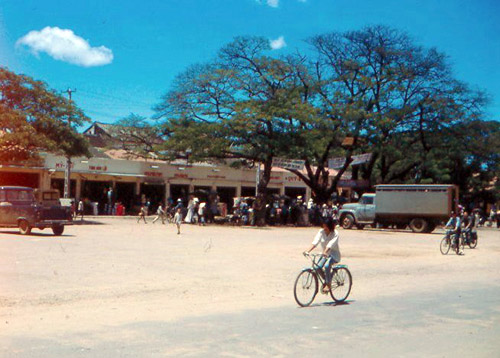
(328, 237)
(455, 225)
(469, 222)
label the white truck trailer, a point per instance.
(421, 207)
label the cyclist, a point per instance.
(454, 224)
(469, 222)
(328, 237)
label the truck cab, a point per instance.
(360, 213)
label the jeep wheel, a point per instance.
(58, 229)
(24, 227)
(348, 221)
(419, 225)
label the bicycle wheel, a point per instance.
(341, 284)
(445, 245)
(473, 241)
(306, 287)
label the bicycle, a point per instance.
(448, 242)
(469, 238)
(306, 285)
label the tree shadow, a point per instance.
(34, 234)
(87, 222)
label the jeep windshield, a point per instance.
(20, 196)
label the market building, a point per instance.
(136, 180)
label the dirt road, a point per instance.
(122, 289)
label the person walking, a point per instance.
(178, 220)
(80, 210)
(142, 214)
(201, 214)
(160, 214)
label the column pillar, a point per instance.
(78, 189)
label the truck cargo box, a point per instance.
(416, 200)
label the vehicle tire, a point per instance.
(24, 227)
(58, 229)
(348, 221)
(419, 225)
(306, 287)
(360, 226)
(444, 246)
(431, 228)
(341, 284)
(473, 241)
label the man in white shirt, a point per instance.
(328, 237)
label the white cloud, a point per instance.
(64, 45)
(278, 43)
(271, 3)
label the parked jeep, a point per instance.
(19, 208)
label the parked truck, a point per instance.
(20, 207)
(421, 207)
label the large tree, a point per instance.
(393, 97)
(34, 118)
(239, 106)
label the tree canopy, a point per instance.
(394, 98)
(35, 118)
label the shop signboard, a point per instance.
(292, 164)
(337, 163)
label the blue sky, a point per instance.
(135, 48)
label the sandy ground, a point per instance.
(121, 289)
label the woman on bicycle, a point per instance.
(328, 237)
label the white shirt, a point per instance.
(178, 218)
(330, 241)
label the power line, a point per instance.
(120, 99)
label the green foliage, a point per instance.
(34, 118)
(397, 100)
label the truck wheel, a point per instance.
(348, 221)
(431, 228)
(419, 225)
(24, 227)
(58, 229)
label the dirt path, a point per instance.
(121, 273)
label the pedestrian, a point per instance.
(160, 214)
(80, 209)
(142, 214)
(178, 220)
(109, 205)
(190, 210)
(201, 214)
(73, 209)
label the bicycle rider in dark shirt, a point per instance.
(455, 225)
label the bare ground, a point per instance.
(128, 289)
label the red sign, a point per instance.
(153, 174)
(101, 168)
(216, 176)
(179, 175)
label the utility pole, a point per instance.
(67, 173)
